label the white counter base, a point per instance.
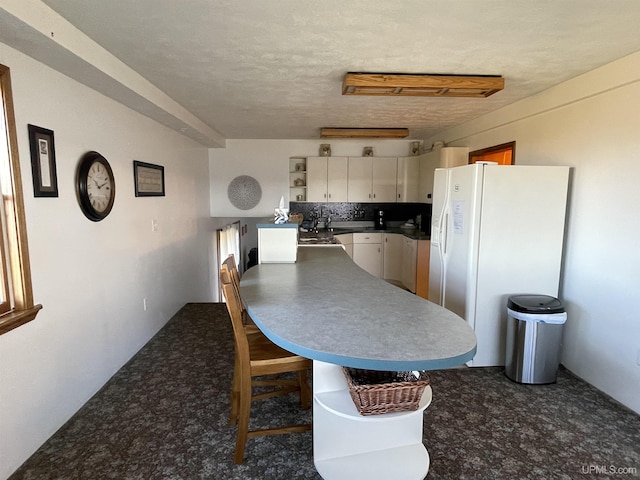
(347, 445)
(277, 243)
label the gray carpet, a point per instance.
(164, 415)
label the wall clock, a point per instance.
(95, 186)
(244, 192)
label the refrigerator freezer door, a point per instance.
(436, 254)
(462, 240)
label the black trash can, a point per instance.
(535, 325)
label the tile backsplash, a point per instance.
(349, 211)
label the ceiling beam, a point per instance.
(36, 30)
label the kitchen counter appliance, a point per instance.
(380, 220)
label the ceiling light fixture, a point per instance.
(421, 85)
(339, 132)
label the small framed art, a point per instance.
(148, 179)
(43, 162)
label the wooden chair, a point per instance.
(230, 264)
(256, 355)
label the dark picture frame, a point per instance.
(148, 179)
(43, 162)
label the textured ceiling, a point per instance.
(273, 69)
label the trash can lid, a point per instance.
(535, 304)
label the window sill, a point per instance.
(15, 319)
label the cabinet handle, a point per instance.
(325, 195)
(329, 195)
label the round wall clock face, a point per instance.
(95, 186)
(244, 192)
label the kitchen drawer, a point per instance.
(367, 238)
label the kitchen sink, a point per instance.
(322, 237)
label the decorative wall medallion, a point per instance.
(244, 192)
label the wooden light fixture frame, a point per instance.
(339, 132)
(421, 85)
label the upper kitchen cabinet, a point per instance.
(327, 179)
(372, 179)
(445, 157)
(407, 186)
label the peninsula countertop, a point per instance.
(326, 308)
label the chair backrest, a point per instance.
(234, 307)
(230, 265)
(230, 262)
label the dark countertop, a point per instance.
(325, 307)
(410, 233)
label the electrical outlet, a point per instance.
(144, 304)
(154, 225)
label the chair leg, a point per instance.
(305, 391)
(244, 410)
(235, 394)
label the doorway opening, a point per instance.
(503, 154)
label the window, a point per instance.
(16, 297)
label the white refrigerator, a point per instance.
(496, 231)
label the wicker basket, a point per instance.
(375, 392)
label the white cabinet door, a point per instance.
(337, 174)
(408, 179)
(409, 262)
(392, 245)
(372, 179)
(359, 189)
(317, 179)
(445, 157)
(368, 256)
(327, 179)
(384, 172)
(367, 252)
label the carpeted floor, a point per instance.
(164, 415)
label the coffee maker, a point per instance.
(380, 221)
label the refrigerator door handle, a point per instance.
(444, 233)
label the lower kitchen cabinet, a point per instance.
(367, 252)
(409, 259)
(392, 257)
(422, 266)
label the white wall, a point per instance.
(592, 124)
(91, 277)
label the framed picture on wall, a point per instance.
(148, 179)
(43, 162)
